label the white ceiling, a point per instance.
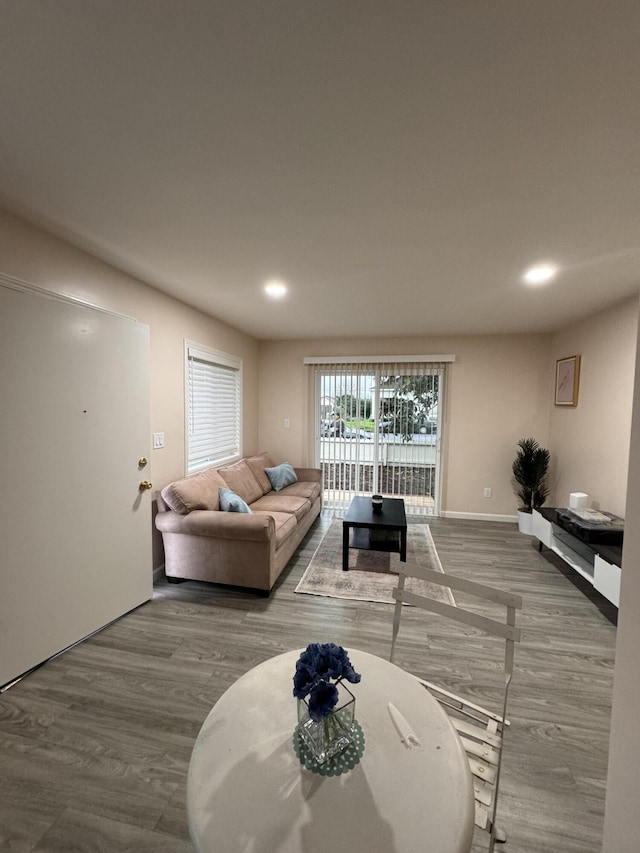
(399, 163)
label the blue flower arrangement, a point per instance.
(317, 666)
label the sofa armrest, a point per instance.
(309, 475)
(256, 527)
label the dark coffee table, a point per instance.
(384, 530)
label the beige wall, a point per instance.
(499, 390)
(622, 816)
(590, 442)
(31, 255)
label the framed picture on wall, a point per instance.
(567, 381)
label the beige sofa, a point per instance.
(249, 549)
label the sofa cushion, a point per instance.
(281, 476)
(285, 525)
(275, 502)
(302, 490)
(199, 492)
(257, 465)
(239, 478)
(230, 502)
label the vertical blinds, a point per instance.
(389, 439)
(213, 407)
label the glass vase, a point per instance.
(332, 734)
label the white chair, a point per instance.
(480, 730)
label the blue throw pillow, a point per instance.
(281, 476)
(230, 502)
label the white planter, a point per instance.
(525, 522)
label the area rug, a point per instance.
(372, 574)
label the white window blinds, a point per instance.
(213, 401)
(378, 428)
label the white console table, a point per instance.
(600, 565)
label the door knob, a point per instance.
(142, 461)
(144, 485)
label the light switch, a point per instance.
(158, 440)
(287, 423)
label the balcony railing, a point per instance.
(405, 470)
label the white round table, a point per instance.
(247, 790)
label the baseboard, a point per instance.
(480, 516)
(158, 573)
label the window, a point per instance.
(378, 428)
(213, 397)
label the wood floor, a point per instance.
(95, 745)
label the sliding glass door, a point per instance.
(378, 431)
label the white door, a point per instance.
(75, 545)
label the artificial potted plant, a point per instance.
(529, 473)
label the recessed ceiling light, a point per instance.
(540, 274)
(275, 288)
